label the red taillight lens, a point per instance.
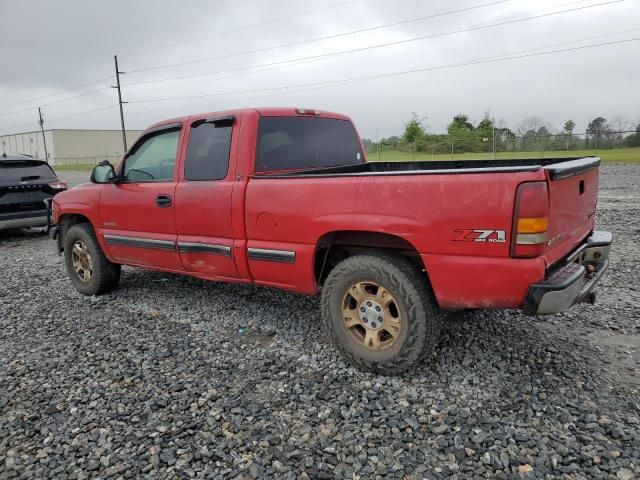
(58, 185)
(530, 220)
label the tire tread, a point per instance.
(422, 309)
(107, 273)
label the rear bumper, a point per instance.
(36, 218)
(573, 281)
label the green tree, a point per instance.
(484, 130)
(569, 125)
(634, 139)
(461, 121)
(414, 130)
(597, 128)
(462, 134)
(598, 124)
(505, 139)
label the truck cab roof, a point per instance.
(262, 111)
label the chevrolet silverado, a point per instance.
(285, 198)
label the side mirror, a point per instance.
(103, 173)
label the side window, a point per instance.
(155, 159)
(208, 152)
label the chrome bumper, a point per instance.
(574, 280)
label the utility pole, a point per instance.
(44, 139)
(494, 137)
(120, 102)
(378, 143)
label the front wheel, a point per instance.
(381, 312)
(90, 271)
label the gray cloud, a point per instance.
(53, 46)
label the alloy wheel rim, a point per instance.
(81, 260)
(371, 315)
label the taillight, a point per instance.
(530, 220)
(58, 185)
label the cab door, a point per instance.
(138, 212)
(204, 199)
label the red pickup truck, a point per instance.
(285, 198)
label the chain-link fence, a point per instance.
(502, 143)
(82, 163)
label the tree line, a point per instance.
(532, 134)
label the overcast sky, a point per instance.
(49, 47)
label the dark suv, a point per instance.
(26, 186)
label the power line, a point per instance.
(292, 62)
(55, 102)
(318, 39)
(259, 70)
(226, 102)
(286, 62)
(394, 74)
(83, 113)
(328, 84)
(56, 93)
(387, 44)
(77, 114)
(156, 48)
(238, 29)
(332, 83)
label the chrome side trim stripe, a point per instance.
(283, 256)
(140, 242)
(195, 247)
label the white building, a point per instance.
(69, 146)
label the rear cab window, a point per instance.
(24, 171)
(295, 143)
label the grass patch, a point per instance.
(612, 155)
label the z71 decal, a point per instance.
(480, 235)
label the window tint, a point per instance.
(306, 142)
(208, 152)
(16, 171)
(154, 159)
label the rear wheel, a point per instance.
(90, 271)
(381, 312)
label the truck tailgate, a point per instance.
(573, 194)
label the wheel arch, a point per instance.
(335, 246)
(68, 220)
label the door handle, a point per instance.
(163, 200)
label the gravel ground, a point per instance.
(172, 377)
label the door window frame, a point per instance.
(152, 132)
(229, 120)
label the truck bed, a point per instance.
(557, 167)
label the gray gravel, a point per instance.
(172, 377)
